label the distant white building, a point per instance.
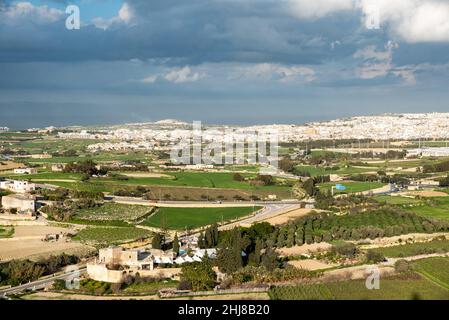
(17, 186)
(428, 152)
(4, 129)
(199, 166)
(25, 171)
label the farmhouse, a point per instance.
(25, 171)
(57, 167)
(23, 203)
(115, 263)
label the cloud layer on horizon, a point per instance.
(205, 49)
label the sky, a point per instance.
(220, 61)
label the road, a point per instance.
(269, 211)
(42, 283)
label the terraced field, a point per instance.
(322, 171)
(111, 235)
(114, 211)
(415, 249)
(437, 208)
(397, 200)
(434, 269)
(390, 289)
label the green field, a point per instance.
(397, 200)
(437, 208)
(174, 179)
(192, 218)
(47, 176)
(435, 270)
(114, 211)
(6, 232)
(97, 157)
(323, 171)
(352, 186)
(111, 235)
(414, 249)
(198, 179)
(390, 289)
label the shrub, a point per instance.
(402, 266)
(374, 257)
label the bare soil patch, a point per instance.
(27, 243)
(428, 193)
(286, 217)
(304, 249)
(10, 165)
(311, 264)
(146, 175)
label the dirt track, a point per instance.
(27, 243)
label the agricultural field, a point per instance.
(351, 186)
(397, 200)
(97, 157)
(51, 145)
(192, 218)
(111, 235)
(6, 232)
(198, 179)
(415, 288)
(371, 224)
(437, 208)
(216, 180)
(46, 176)
(114, 211)
(415, 249)
(323, 171)
(435, 270)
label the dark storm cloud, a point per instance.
(189, 32)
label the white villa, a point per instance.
(25, 171)
(17, 186)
